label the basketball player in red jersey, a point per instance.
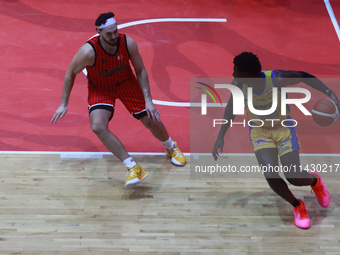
(107, 58)
(270, 142)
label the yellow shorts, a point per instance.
(282, 138)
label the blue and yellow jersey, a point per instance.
(264, 100)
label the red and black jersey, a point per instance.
(111, 78)
(109, 70)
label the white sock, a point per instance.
(129, 162)
(168, 143)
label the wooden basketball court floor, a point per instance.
(62, 193)
(51, 205)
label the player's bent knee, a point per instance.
(98, 128)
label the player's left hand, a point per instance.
(152, 111)
(218, 147)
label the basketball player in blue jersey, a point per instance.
(273, 141)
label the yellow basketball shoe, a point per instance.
(177, 157)
(136, 175)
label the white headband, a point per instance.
(108, 22)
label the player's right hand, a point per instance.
(59, 113)
(152, 111)
(218, 146)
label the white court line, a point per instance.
(184, 104)
(80, 154)
(99, 155)
(148, 21)
(333, 18)
(167, 103)
(253, 154)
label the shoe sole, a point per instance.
(135, 181)
(173, 162)
(177, 165)
(307, 227)
(144, 177)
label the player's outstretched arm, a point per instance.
(287, 78)
(228, 115)
(84, 57)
